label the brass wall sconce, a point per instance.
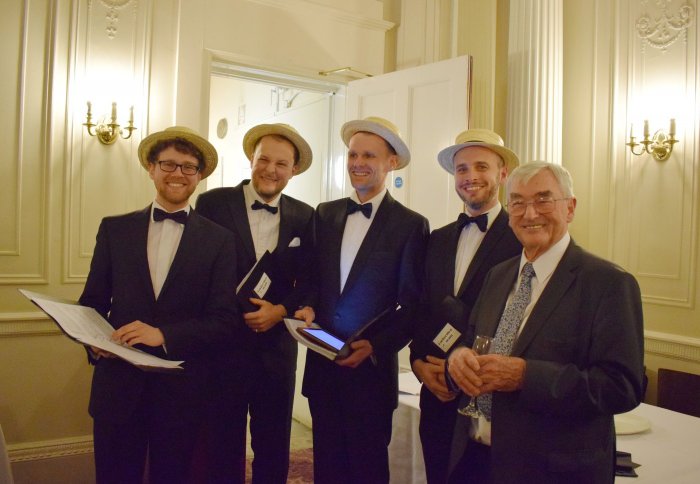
(108, 133)
(659, 146)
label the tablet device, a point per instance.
(322, 337)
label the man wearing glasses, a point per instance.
(567, 352)
(459, 256)
(162, 276)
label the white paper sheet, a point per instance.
(87, 326)
(408, 383)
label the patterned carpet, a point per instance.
(301, 467)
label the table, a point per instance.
(669, 452)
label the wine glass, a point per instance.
(481, 346)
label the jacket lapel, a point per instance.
(239, 214)
(140, 241)
(335, 233)
(188, 245)
(564, 275)
(285, 232)
(497, 298)
(491, 239)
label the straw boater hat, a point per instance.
(208, 151)
(382, 128)
(478, 137)
(254, 134)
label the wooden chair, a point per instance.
(678, 391)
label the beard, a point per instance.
(477, 204)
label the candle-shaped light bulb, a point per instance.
(631, 130)
(646, 128)
(114, 112)
(672, 129)
(131, 115)
(89, 113)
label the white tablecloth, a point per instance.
(669, 452)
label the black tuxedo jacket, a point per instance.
(196, 312)
(498, 245)
(387, 270)
(583, 345)
(226, 207)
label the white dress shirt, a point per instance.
(163, 241)
(469, 241)
(544, 267)
(356, 227)
(264, 226)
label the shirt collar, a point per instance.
(545, 264)
(251, 195)
(375, 200)
(155, 204)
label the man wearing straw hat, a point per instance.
(458, 258)
(162, 277)
(261, 379)
(368, 258)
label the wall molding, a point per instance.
(35, 323)
(336, 14)
(47, 449)
(672, 346)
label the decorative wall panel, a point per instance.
(109, 65)
(23, 95)
(655, 217)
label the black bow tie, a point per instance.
(464, 220)
(180, 216)
(257, 205)
(365, 208)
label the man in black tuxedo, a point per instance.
(458, 258)
(368, 257)
(567, 352)
(162, 277)
(261, 379)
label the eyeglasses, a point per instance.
(171, 166)
(542, 205)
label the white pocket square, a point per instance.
(296, 242)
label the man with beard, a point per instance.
(259, 378)
(458, 258)
(162, 276)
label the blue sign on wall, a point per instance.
(398, 182)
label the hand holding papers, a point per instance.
(86, 326)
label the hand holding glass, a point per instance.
(481, 346)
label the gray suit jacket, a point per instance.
(583, 345)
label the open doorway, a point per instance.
(242, 97)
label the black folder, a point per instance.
(261, 282)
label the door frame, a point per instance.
(334, 159)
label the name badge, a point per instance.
(447, 337)
(262, 286)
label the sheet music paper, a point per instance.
(88, 327)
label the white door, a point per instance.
(430, 105)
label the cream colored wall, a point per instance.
(639, 212)
(61, 182)
(635, 211)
